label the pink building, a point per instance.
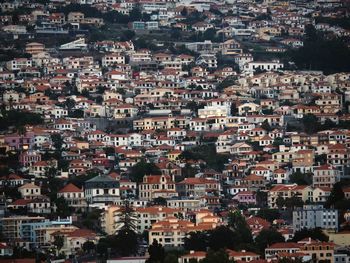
(28, 158)
(245, 197)
(20, 141)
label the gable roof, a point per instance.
(70, 188)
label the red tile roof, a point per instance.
(70, 188)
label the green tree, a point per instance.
(217, 256)
(227, 82)
(102, 247)
(89, 246)
(240, 227)
(128, 35)
(126, 242)
(280, 202)
(222, 237)
(135, 14)
(277, 142)
(210, 34)
(126, 239)
(267, 237)
(58, 242)
(269, 214)
(171, 258)
(160, 201)
(315, 233)
(266, 126)
(127, 216)
(208, 154)
(156, 252)
(90, 219)
(321, 52)
(197, 241)
(336, 195)
(57, 141)
(18, 119)
(301, 178)
(62, 207)
(292, 202)
(310, 123)
(142, 168)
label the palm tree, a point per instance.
(126, 239)
(127, 217)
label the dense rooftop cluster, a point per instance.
(175, 131)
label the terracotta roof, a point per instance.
(70, 188)
(283, 245)
(82, 233)
(29, 185)
(20, 202)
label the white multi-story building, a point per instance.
(112, 59)
(267, 66)
(312, 216)
(102, 189)
(19, 63)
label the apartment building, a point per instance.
(312, 216)
(284, 191)
(154, 186)
(325, 176)
(12, 226)
(74, 196)
(172, 231)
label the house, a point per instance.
(73, 195)
(248, 108)
(272, 252)
(254, 66)
(207, 60)
(19, 64)
(5, 250)
(125, 111)
(171, 231)
(319, 251)
(12, 180)
(42, 169)
(245, 197)
(30, 191)
(34, 48)
(195, 256)
(240, 147)
(150, 215)
(280, 176)
(303, 192)
(73, 239)
(197, 187)
(325, 176)
(112, 59)
(101, 190)
(201, 26)
(154, 186)
(256, 224)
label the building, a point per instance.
(154, 186)
(12, 226)
(78, 44)
(197, 187)
(34, 48)
(74, 196)
(262, 66)
(171, 231)
(325, 176)
(312, 216)
(30, 191)
(102, 190)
